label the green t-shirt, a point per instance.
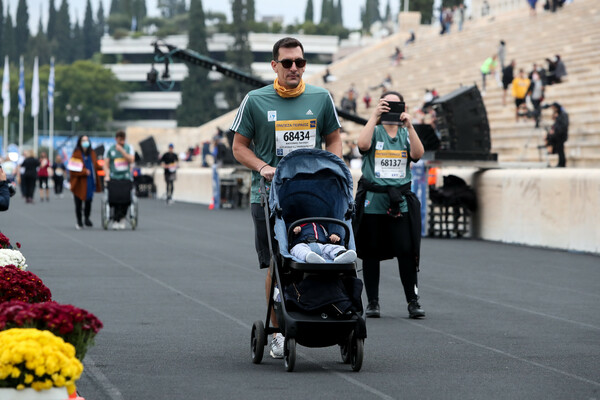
(386, 163)
(278, 125)
(487, 65)
(119, 167)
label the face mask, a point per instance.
(85, 145)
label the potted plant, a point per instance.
(16, 284)
(74, 325)
(36, 364)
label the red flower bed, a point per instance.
(26, 286)
(5, 242)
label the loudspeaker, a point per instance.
(461, 120)
(149, 151)
(427, 136)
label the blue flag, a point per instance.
(51, 86)
(21, 92)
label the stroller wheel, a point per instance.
(357, 352)
(289, 354)
(345, 350)
(257, 342)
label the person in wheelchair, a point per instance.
(118, 162)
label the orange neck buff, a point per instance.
(285, 93)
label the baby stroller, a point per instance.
(316, 305)
(119, 192)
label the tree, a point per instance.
(171, 8)
(9, 37)
(197, 98)
(62, 34)
(1, 27)
(77, 43)
(100, 26)
(425, 7)
(388, 12)
(327, 13)
(115, 7)
(239, 54)
(250, 11)
(22, 27)
(309, 14)
(370, 14)
(89, 35)
(339, 14)
(39, 46)
(50, 28)
(90, 85)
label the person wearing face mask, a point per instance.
(83, 171)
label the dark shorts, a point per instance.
(518, 102)
(505, 85)
(261, 240)
(43, 182)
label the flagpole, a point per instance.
(5, 141)
(5, 103)
(35, 104)
(51, 145)
(21, 103)
(51, 110)
(20, 132)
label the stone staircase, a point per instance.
(449, 61)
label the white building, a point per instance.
(131, 59)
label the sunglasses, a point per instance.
(287, 63)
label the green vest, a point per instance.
(278, 125)
(386, 163)
(118, 166)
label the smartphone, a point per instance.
(392, 117)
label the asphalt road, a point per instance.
(178, 297)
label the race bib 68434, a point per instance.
(295, 134)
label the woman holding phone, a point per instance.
(388, 218)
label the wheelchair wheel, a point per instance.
(133, 213)
(258, 339)
(289, 354)
(105, 213)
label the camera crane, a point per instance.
(164, 52)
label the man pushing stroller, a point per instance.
(311, 243)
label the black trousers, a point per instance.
(58, 184)
(87, 209)
(559, 148)
(380, 230)
(28, 186)
(169, 184)
(120, 210)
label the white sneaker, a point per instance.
(276, 350)
(115, 225)
(122, 224)
(345, 257)
(314, 258)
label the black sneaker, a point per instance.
(372, 310)
(88, 223)
(415, 310)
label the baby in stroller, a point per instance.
(312, 243)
